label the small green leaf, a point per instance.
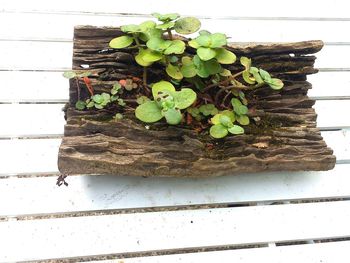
(204, 32)
(218, 40)
(69, 74)
(256, 75)
(158, 44)
(224, 56)
(130, 28)
(229, 114)
(98, 98)
(176, 47)
(225, 120)
(162, 86)
(218, 131)
(203, 40)
(265, 75)
(193, 43)
(140, 58)
(80, 105)
(195, 113)
(116, 88)
(121, 102)
(172, 116)
(188, 69)
(121, 42)
(187, 25)
(148, 112)
(208, 109)
(247, 78)
(225, 73)
(106, 98)
(246, 62)
(166, 25)
(206, 53)
(212, 66)
(243, 119)
(90, 104)
(149, 24)
(142, 99)
(276, 84)
(184, 98)
(98, 106)
(166, 17)
(216, 119)
(236, 129)
(174, 72)
(238, 107)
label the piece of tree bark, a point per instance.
(285, 137)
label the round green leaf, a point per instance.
(148, 112)
(204, 32)
(229, 114)
(203, 40)
(218, 40)
(176, 47)
(193, 43)
(184, 98)
(188, 69)
(187, 25)
(243, 119)
(247, 78)
(172, 116)
(225, 120)
(225, 73)
(149, 56)
(218, 131)
(224, 56)
(162, 86)
(130, 28)
(69, 74)
(140, 58)
(166, 25)
(216, 119)
(142, 99)
(158, 44)
(206, 53)
(147, 25)
(97, 98)
(121, 42)
(80, 105)
(236, 129)
(98, 106)
(208, 109)
(166, 17)
(116, 88)
(118, 116)
(212, 66)
(174, 72)
(276, 84)
(238, 107)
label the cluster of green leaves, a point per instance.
(100, 101)
(167, 103)
(253, 75)
(223, 124)
(76, 74)
(203, 111)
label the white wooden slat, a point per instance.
(33, 86)
(40, 155)
(60, 26)
(52, 87)
(332, 252)
(33, 55)
(268, 8)
(121, 233)
(88, 193)
(47, 119)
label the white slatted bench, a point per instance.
(272, 217)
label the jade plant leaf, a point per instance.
(187, 25)
(184, 98)
(148, 112)
(224, 56)
(174, 72)
(218, 131)
(175, 47)
(172, 116)
(162, 86)
(121, 42)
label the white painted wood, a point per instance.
(334, 252)
(47, 119)
(40, 155)
(52, 87)
(94, 235)
(56, 56)
(40, 195)
(33, 86)
(60, 27)
(270, 8)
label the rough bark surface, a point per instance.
(286, 138)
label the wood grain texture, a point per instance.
(95, 144)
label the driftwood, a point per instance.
(285, 138)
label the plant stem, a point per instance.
(144, 76)
(137, 41)
(170, 34)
